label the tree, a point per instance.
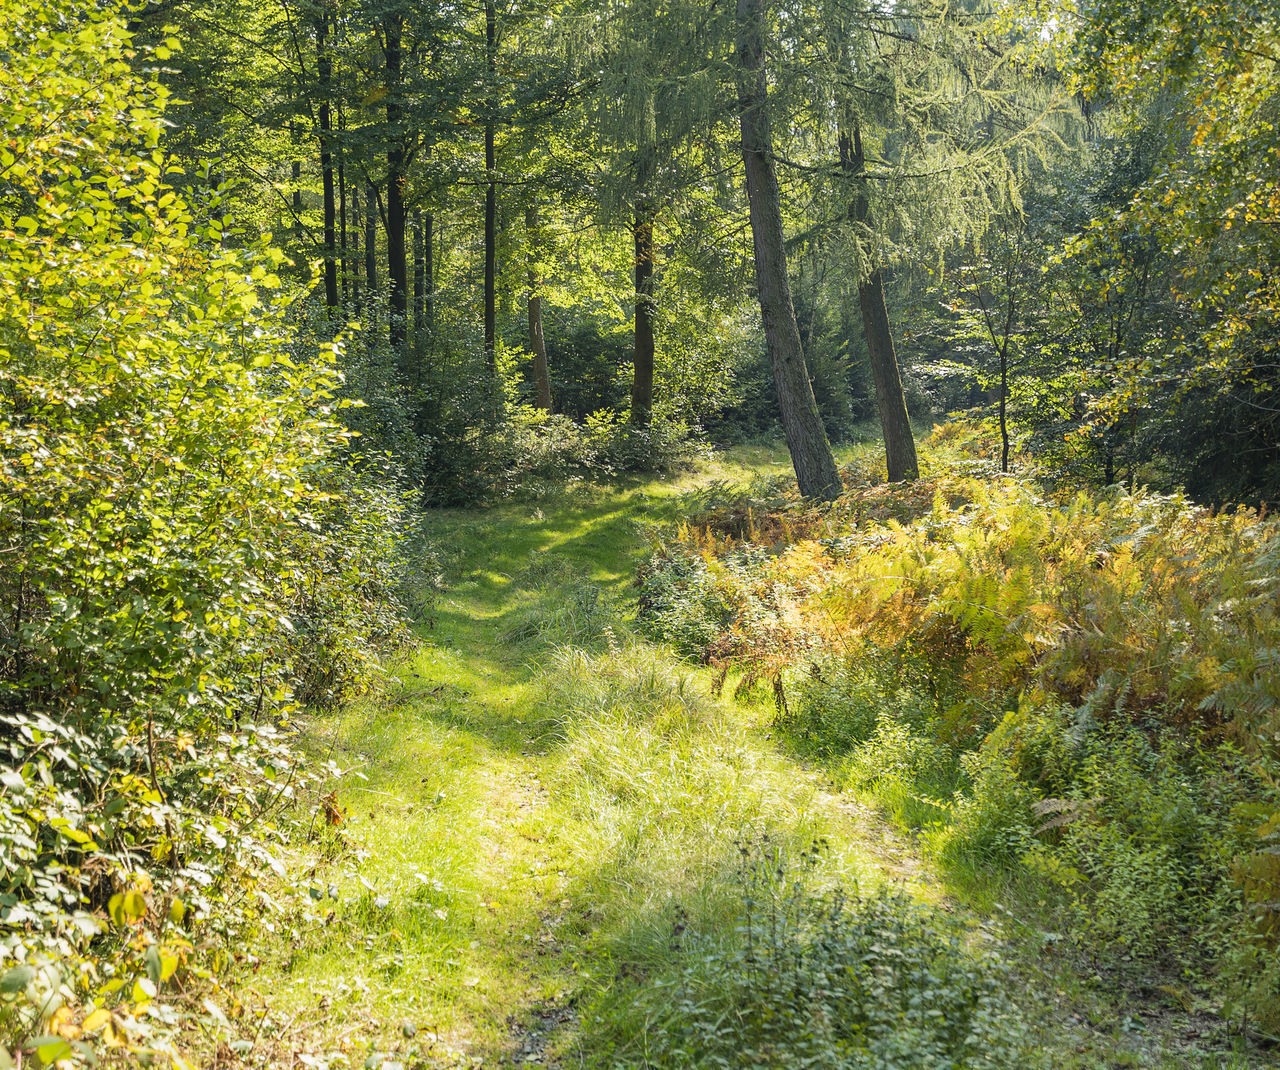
(932, 124)
(537, 342)
(899, 444)
(491, 184)
(324, 86)
(811, 454)
(1201, 82)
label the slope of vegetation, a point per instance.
(1071, 697)
(189, 555)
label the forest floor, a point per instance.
(539, 798)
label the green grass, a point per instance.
(537, 799)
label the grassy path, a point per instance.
(536, 800)
(511, 840)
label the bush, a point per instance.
(184, 555)
(525, 451)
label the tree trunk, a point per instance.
(899, 445)
(491, 195)
(806, 438)
(428, 271)
(343, 250)
(370, 237)
(344, 247)
(324, 70)
(356, 301)
(419, 276)
(295, 174)
(642, 362)
(537, 343)
(397, 260)
(1004, 396)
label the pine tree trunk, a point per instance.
(324, 69)
(806, 438)
(397, 260)
(899, 444)
(642, 361)
(490, 197)
(537, 342)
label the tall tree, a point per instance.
(537, 342)
(491, 187)
(370, 236)
(899, 445)
(811, 454)
(643, 353)
(397, 160)
(324, 76)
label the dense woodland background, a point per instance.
(279, 279)
(542, 208)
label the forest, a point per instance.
(640, 533)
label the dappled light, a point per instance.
(672, 536)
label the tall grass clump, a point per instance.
(656, 777)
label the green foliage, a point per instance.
(588, 369)
(811, 979)
(525, 452)
(184, 557)
(681, 602)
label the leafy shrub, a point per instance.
(587, 364)
(679, 602)
(185, 555)
(525, 451)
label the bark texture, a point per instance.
(899, 444)
(807, 442)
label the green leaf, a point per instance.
(50, 1049)
(16, 979)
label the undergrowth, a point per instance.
(1079, 690)
(795, 976)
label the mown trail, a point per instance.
(528, 819)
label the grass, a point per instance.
(539, 798)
